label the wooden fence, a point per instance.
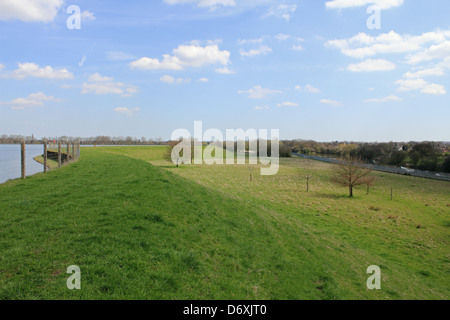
(60, 152)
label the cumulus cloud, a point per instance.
(437, 51)
(422, 85)
(436, 70)
(364, 45)
(211, 4)
(203, 80)
(30, 10)
(225, 70)
(184, 56)
(282, 36)
(171, 80)
(344, 4)
(263, 50)
(28, 69)
(252, 41)
(284, 11)
(370, 65)
(262, 108)
(331, 102)
(308, 88)
(1, 67)
(101, 85)
(87, 16)
(258, 92)
(390, 98)
(33, 100)
(287, 104)
(127, 111)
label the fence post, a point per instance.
(45, 155)
(68, 152)
(392, 193)
(73, 151)
(22, 156)
(59, 154)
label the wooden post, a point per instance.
(73, 151)
(392, 193)
(68, 152)
(22, 154)
(45, 156)
(59, 154)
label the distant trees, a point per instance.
(398, 158)
(351, 172)
(446, 164)
(98, 140)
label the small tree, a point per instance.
(351, 172)
(308, 171)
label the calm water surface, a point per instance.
(10, 160)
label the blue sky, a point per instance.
(312, 69)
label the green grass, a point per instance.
(139, 228)
(51, 164)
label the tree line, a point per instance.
(428, 156)
(98, 140)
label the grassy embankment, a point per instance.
(140, 228)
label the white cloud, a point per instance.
(252, 41)
(287, 104)
(1, 67)
(185, 56)
(262, 108)
(167, 79)
(119, 56)
(211, 4)
(331, 102)
(263, 50)
(438, 51)
(390, 98)
(284, 11)
(258, 92)
(436, 70)
(87, 16)
(422, 85)
(33, 100)
(225, 70)
(171, 80)
(364, 45)
(28, 69)
(308, 88)
(127, 111)
(344, 4)
(30, 10)
(311, 89)
(203, 80)
(106, 85)
(370, 65)
(297, 47)
(282, 37)
(83, 60)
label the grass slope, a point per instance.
(204, 232)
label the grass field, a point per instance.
(139, 228)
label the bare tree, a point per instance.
(307, 171)
(352, 172)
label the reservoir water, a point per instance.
(10, 160)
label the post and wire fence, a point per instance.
(20, 161)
